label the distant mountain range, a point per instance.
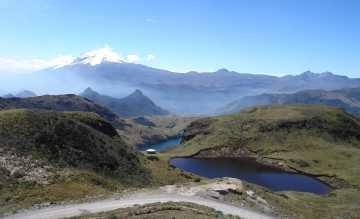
(136, 104)
(182, 93)
(348, 99)
(194, 92)
(21, 94)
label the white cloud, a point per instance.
(9, 65)
(132, 58)
(150, 57)
(61, 61)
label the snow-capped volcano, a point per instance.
(97, 56)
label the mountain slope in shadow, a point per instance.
(136, 104)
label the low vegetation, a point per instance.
(65, 141)
(164, 174)
(63, 155)
(66, 185)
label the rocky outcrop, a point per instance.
(25, 168)
(226, 152)
(200, 126)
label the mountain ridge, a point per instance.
(66, 102)
(134, 105)
(191, 93)
(348, 99)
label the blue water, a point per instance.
(163, 145)
(253, 172)
(247, 170)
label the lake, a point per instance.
(244, 169)
(251, 171)
(162, 145)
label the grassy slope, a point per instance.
(164, 174)
(325, 139)
(81, 185)
(75, 185)
(66, 140)
(88, 157)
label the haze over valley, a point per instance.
(192, 93)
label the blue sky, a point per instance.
(271, 36)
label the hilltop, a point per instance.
(136, 104)
(79, 140)
(67, 102)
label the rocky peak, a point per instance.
(137, 94)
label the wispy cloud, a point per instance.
(132, 58)
(150, 57)
(151, 20)
(11, 65)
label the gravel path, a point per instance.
(140, 198)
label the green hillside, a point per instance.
(63, 155)
(319, 136)
(66, 140)
(318, 140)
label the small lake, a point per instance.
(247, 170)
(251, 171)
(163, 145)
